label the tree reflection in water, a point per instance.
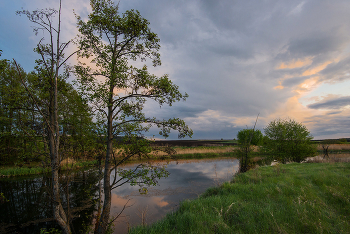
(29, 208)
(29, 205)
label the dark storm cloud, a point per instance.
(334, 103)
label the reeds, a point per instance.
(198, 150)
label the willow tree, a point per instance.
(119, 91)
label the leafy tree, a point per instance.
(119, 90)
(288, 140)
(78, 130)
(14, 114)
(244, 135)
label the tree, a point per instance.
(13, 114)
(288, 140)
(245, 138)
(245, 134)
(48, 67)
(119, 91)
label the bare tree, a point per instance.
(48, 66)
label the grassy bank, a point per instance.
(21, 171)
(292, 198)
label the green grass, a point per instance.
(21, 171)
(292, 198)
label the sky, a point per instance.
(235, 59)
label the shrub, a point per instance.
(288, 140)
(244, 135)
(343, 141)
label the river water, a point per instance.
(28, 208)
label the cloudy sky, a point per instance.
(235, 59)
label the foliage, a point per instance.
(343, 140)
(247, 138)
(19, 123)
(288, 140)
(244, 136)
(293, 198)
(244, 154)
(22, 127)
(48, 68)
(119, 91)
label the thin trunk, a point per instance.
(104, 218)
(59, 213)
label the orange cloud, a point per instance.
(279, 86)
(316, 70)
(296, 63)
(159, 201)
(307, 85)
(292, 109)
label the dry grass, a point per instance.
(330, 159)
(197, 150)
(68, 161)
(335, 147)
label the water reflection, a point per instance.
(29, 207)
(187, 180)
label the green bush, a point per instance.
(244, 135)
(288, 140)
(343, 140)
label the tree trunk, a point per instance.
(104, 218)
(58, 211)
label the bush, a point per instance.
(288, 140)
(243, 137)
(343, 141)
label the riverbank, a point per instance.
(178, 153)
(292, 198)
(35, 169)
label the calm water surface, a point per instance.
(29, 210)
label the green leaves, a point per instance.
(113, 87)
(288, 140)
(244, 136)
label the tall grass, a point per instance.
(335, 147)
(292, 198)
(20, 171)
(197, 152)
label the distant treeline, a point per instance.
(332, 141)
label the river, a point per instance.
(28, 209)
